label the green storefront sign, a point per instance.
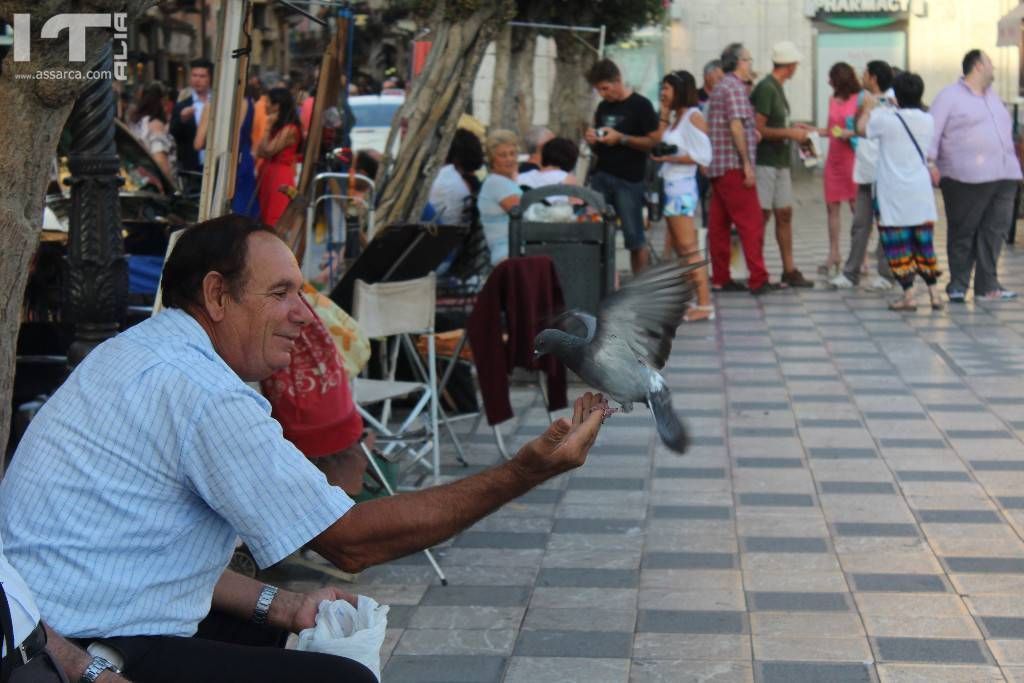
(860, 14)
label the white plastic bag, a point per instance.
(343, 630)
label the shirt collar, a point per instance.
(963, 84)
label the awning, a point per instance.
(1009, 27)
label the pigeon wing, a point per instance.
(645, 312)
(576, 323)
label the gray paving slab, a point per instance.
(588, 644)
(931, 650)
(596, 526)
(876, 529)
(911, 442)
(499, 539)
(444, 669)
(842, 453)
(770, 463)
(856, 487)
(588, 578)
(814, 672)
(691, 512)
(690, 473)
(958, 517)
(899, 583)
(785, 544)
(985, 565)
(666, 560)
(493, 596)
(691, 621)
(776, 499)
(787, 601)
(932, 475)
(606, 484)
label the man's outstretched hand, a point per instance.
(564, 446)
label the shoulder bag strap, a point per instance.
(912, 138)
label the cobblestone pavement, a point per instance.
(852, 510)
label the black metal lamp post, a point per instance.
(95, 297)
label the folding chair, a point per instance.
(392, 311)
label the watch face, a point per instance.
(96, 667)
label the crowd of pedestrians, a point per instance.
(732, 139)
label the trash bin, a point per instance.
(583, 251)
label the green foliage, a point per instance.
(620, 17)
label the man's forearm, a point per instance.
(388, 528)
(72, 659)
(739, 139)
(775, 134)
(237, 595)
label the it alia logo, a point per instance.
(76, 26)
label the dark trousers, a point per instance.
(226, 649)
(978, 216)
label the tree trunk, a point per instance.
(500, 85)
(572, 103)
(439, 96)
(517, 105)
(33, 114)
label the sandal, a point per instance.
(709, 309)
(902, 306)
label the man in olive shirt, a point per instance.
(774, 185)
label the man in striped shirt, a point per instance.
(126, 495)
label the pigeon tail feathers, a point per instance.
(670, 428)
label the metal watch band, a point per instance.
(259, 615)
(96, 667)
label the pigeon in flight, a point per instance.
(621, 350)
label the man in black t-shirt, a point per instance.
(621, 137)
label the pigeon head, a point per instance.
(545, 342)
(565, 347)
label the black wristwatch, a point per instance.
(96, 667)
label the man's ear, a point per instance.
(215, 294)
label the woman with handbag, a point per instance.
(683, 145)
(906, 200)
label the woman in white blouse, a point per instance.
(149, 125)
(906, 200)
(683, 126)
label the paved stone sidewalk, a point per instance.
(852, 510)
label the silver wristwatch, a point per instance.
(259, 615)
(96, 667)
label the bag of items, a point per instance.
(345, 631)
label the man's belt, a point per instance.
(29, 649)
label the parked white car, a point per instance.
(374, 116)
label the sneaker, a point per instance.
(730, 286)
(998, 295)
(766, 288)
(795, 278)
(878, 284)
(840, 282)
(956, 296)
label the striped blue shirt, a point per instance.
(123, 501)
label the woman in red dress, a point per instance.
(279, 150)
(839, 184)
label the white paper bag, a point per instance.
(343, 630)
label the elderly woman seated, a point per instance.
(558, 160)
(499, 192)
